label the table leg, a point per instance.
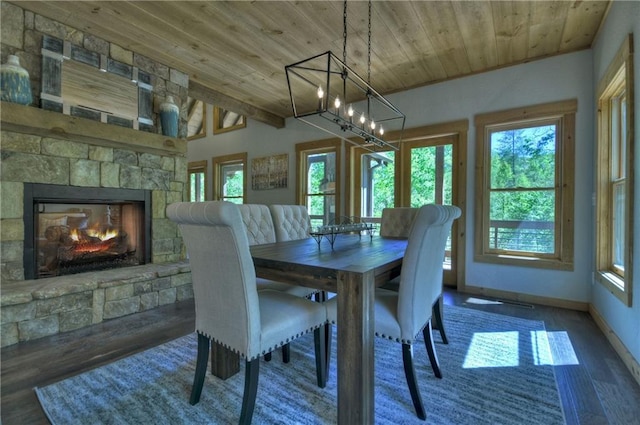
(224, 362)
(356, 296)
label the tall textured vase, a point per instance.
(169, 114)
(15, 84)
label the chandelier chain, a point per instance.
(344, 33)
(369, 48)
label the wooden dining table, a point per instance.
(352, 268)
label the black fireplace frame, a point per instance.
(36, 192)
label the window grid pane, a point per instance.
(522, 194)
(618, 227)
(378, 183)
(320, 185)
(196, 186)
(232, 180)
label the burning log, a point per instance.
(83, 245)
(94, 248)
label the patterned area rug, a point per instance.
(497, 370)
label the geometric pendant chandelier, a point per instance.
(327, 94)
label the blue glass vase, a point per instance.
(15, 84)
(169, 114)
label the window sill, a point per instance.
(521, 261)
(615, 285)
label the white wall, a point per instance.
(559, 78)
(553, 79)
(623, 18)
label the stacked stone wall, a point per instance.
(32, 309)
(21, 33)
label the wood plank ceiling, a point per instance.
(235, 51)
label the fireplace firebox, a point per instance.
(72, 230)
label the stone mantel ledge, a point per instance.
(31, 120)
(24, 291)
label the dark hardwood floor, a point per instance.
(596, 390)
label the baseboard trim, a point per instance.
(629, 361)
(525, 298)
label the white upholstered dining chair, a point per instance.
(229, 308)
(396, 223)
(291, 222)
(260, 230)
(401, 316)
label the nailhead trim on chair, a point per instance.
(244, 356)
(404, 341)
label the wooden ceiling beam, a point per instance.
(216, 98)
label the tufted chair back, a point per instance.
(258, 222)
(229, 308)
(421, 276)
(397, 222)
(221, 264)
(291, 222)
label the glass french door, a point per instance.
(420, 172)
(430, 180)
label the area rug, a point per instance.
(497, 370)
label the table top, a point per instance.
(304, 262)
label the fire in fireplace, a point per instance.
(75, 230)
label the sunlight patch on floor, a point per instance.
(540, 348)
(562, 349)
(492, 349)
(502, 349)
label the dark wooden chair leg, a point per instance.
(328, 337)
(410, 374)
(321, 356)
(320, 296)
(431, 350)
(201, 369)
(437, 315)
(286, 353)
(250, 390)
(267, 357)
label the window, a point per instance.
(225, 120)
(428, 167)
(197, 181)
(614, 191)
(230, 178)
(431, 171)
(524, 186)
(196, 119)
(317, 170)
(378, 183)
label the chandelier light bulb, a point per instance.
(362, 119)
(381, 131)
(373, 125)
(320, 92)
(337, 102)
(350, 111)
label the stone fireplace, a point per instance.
(60, 172)
(71, 230)
(64, 170)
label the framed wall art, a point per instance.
(270, 172)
